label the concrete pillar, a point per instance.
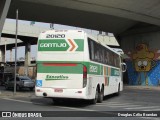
(2, 54)
(27, 57)
(4, 7)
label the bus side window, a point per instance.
(92, 56)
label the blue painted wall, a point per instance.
(151, 78)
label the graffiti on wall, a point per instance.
(143, 58)
(143, 66)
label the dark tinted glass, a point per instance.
(24, 78)
(101, 54)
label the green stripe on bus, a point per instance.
(95, 69)
(60, 69)
(112, 71)
(92, 68)
(115, 72)
(80, 43)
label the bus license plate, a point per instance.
(58, 90)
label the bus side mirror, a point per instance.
(124, 67)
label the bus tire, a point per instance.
(94, 101)
(118, 92)
(101, 95)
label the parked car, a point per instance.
(4, 76)
(21, 82)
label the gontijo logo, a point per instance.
(57, 45)
(53, 45)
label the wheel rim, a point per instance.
(102, 96)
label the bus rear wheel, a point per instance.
(118, 91)
(94, 101)
(101, 95)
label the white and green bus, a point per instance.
(72, 64)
